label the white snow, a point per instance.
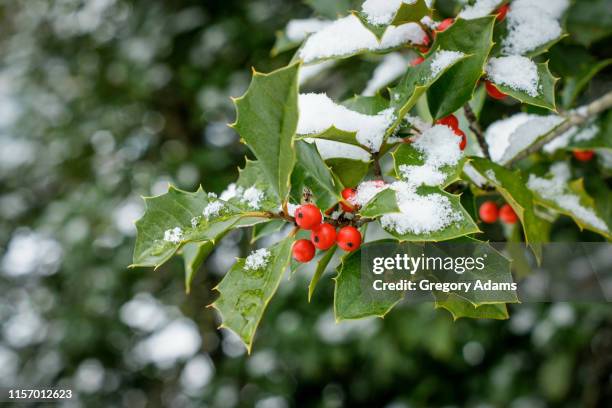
(587, 134)
(213, 209)
(443, 59)
(516, 72)
(507, 137)
(174, 235)
(479, 9)
(422, 175)
(366, 191)
(491, 176)
(231, 191)
(318, 113)
(530, 26)
(380, 12)
(257, 259)
(419, 214)
(527, 134)
(555, 189)
(556, 8)
(252, 197)
(391, 68)
(329, 149)
(348, 35)
(298, 30)
(195, 221)
(440, 147)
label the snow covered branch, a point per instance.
(574, 118)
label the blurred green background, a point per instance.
(103, 101)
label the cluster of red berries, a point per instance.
(323, 235)
(489, 212)
(443, 26)
(452, 122)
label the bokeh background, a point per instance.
(102, 101)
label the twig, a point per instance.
(475, 128)
(377, 168)
(574, 118)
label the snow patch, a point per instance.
(298, 30)
(555, 189)
(531, 25)
(443, 59)
(174, 235)
(516, 72)
(527, 134)
(479, 9)
(366, 191)
(318, 113)
(213, 209)
(348, 35)
(381, 12)
(257, 259)
(252, 197)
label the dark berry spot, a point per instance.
(350, 244)
(300, 215)
(316, 239)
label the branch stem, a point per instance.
(476, 129)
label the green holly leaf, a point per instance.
(385, 205)
(459, 307)
(312, 173)
(367, 105)
(253, 176)
(546, 91)
(456, 87)
(245, 293)
(266, 229)
(335, 134)
(163, 214)
(589, 21)
(352, 299)
(330, 9)
(349, 172)
(406, 13)
(321, 267)
(415, 83)
(406, 154)
(267, 116)
(512, 187)
(194, 255)
(574, 85)
(283, 44)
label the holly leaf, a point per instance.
(406, 154)
(513, 188)
(253, 176)
(350, 172)
(312, 173)
(321, 267)
(456, 87)
(335, 134)
(266, 229)
(329, 9)
(459, 307)
(574, 85)
(406, 13)
(589, 21)
(267, 116)
(164, 213)
(244, 294)
(416, 82)
(367, 105)
(352, 297)
(194, 255)
(546, 90)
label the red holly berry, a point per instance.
(501, 13)
(348, 194)
(349, 239)
(323, 237)
(451, 121)
(494, 92)
(463, 142)
(443, 26)
(308, 216)
(303, 251)
(584, 155)
(426, 41)
(489, 212)
(507, 214)
(417, 61)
